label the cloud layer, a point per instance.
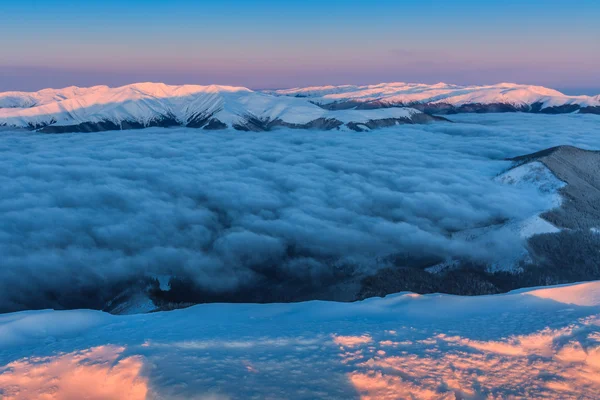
(231, 210)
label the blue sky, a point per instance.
(290, 43)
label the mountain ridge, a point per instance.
(141, 105)
(345, 107)
(443, 98)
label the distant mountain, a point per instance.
(358, 108)
(136, 106)
(444, 98)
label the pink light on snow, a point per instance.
(97, 373)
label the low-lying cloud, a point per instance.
(230, 210)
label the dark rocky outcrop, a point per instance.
(257, 125)
(250, 123)
(100, 126)
(198, 120)
(214, 124)
(449, 109)
(388, 122)
(564, 109)
(590, 110)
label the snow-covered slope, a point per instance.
(531, 177)
(445, 98)
(532, 343)
(155, 104)
(537, 176)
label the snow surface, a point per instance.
(408, 93)
(145, 102)
(532, 343)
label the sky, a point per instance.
(276, 44)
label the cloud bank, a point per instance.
(237, 211)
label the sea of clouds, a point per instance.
(84, 211)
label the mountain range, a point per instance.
(136, 106)
(358, 108)
(445, 98)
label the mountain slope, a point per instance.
(579, 168)
(445, 98)
(155, 104)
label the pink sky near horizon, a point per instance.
(270, 44)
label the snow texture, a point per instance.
(541, 343)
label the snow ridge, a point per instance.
(156, 104)
(455, 98)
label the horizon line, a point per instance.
(591, 91)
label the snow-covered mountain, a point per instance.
(358, 108)
(142, 105)
(528, 344)
(445, 98)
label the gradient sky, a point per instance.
(267, 44)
